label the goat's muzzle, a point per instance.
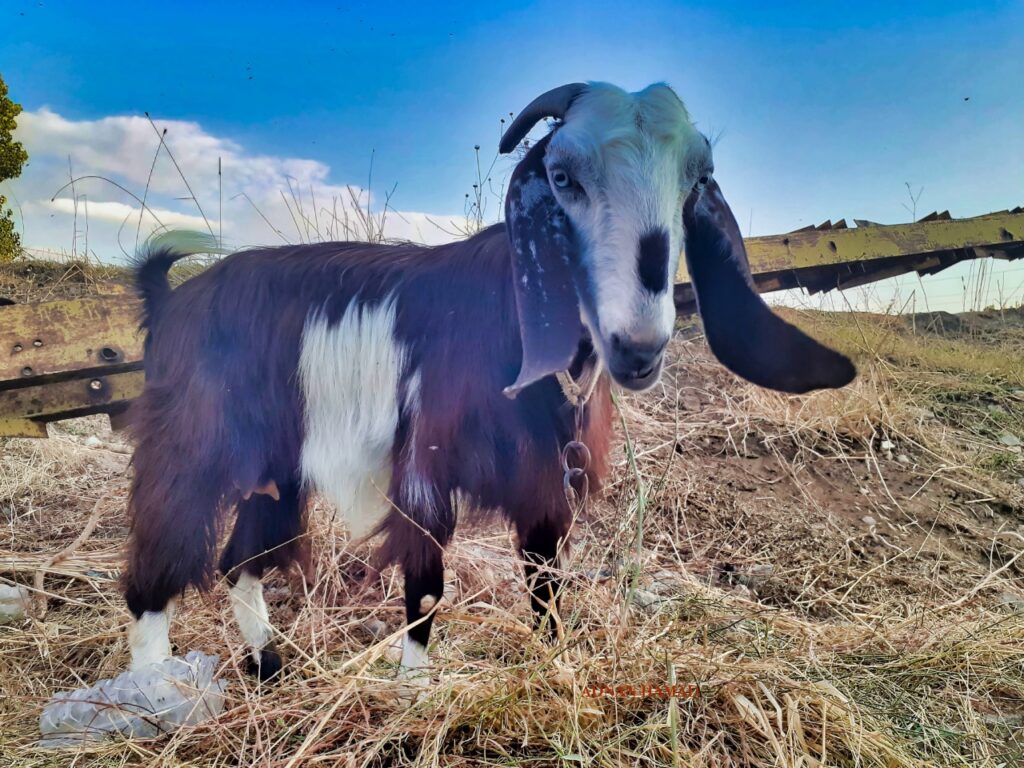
(635, 365)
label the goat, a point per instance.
(398, 378)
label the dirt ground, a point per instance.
(839, 575)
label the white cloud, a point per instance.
(120, 213)
(121, 149)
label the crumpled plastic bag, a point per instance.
(14, 603)
(139, 704)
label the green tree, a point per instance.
(12, 158)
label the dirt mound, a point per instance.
(990, 325)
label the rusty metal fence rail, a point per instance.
(64, 359)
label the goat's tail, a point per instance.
(155, 259)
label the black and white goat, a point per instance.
(395, 378)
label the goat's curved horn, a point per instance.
(554, 103)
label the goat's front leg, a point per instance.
(424, 585)
(415, 541)
(542, 542)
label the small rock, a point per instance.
(755, 576)
(1009, 440)
(93, 442)
(665, 583)
(375, 628)
(14, 603)
(602, 574)
(888, 445)
(868, 520)
(1020, 481)
(646, 600)
(903, 458)
(277, 594)
(1011, 601)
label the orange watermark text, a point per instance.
(643, 691)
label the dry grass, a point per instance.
(832, 571)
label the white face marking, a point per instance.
(251, 613)
(149, 637)
(636, 156)
(350, 373)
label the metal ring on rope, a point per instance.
(583, 454)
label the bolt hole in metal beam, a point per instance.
(110, 355)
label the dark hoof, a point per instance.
(267, 668)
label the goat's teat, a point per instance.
(268, 488)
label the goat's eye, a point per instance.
(560, 178)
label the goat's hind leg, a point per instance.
(172, 547)
(267, 533)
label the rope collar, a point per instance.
(578, 392)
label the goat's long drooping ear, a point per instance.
(542, 251)
(553, 103)
(745, 335)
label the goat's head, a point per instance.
(598, 212)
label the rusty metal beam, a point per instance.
(60, 339)
(815, 247)
(22, 428)
(825, 257)
(64, 359)
(73, 397)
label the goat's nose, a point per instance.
(635, 364)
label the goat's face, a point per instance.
(598, 212)
(620, 167)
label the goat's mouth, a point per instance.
(638, 380)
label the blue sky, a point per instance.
(821, 110)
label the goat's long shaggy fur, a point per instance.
(225, 408)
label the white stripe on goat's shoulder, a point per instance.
(350, 372)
